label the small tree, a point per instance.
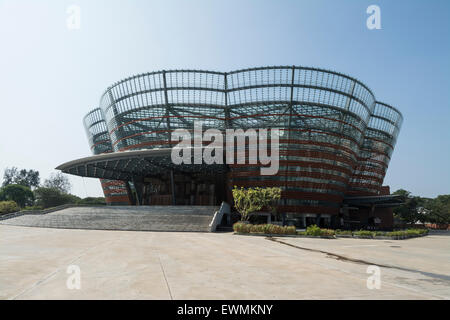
(58, 181)
(270, 197)
(21, 195)
(247, 201)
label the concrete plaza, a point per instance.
(185, 265)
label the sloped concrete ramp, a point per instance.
(131, 218)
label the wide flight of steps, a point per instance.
(135, 218)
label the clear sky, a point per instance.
(50, 76)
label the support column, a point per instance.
(138, 188)
(130, 193)
(172, 186)
(291, 99)
(166, 101)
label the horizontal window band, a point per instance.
(230, 119)
(309, 209)
(292, 174)
(281, 183)
(304, 164)
(116, 199)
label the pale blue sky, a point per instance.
(50, 77)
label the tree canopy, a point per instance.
(415, 208)
(24, 188)
(247, 201)
(58, 181)
(21, 195)
(28, 178)
(52, 197)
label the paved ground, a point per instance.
(140, 218)
(172, 265)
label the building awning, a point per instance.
(385, 201)
(128, 165)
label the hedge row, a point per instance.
(315, 231)
(400, 233)
(263, 228)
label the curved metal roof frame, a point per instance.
(127, 165)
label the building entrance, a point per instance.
(180, 189)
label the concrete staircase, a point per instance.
(135, 218)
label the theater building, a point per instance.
(335, 141)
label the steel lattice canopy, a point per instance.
(128, 165)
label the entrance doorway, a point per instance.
(195, 189)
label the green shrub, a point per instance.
(275, 229)
(266, 228)
(8, 207)
(256, 228)
(364, 233)
(32, 208)
(239, 227)
(396, 234)
(313, 230)
(343, 232)
(291, 230)
(413, 232)
(416, 232)
(327, 232)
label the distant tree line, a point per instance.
(419, 209)
(22, 189)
